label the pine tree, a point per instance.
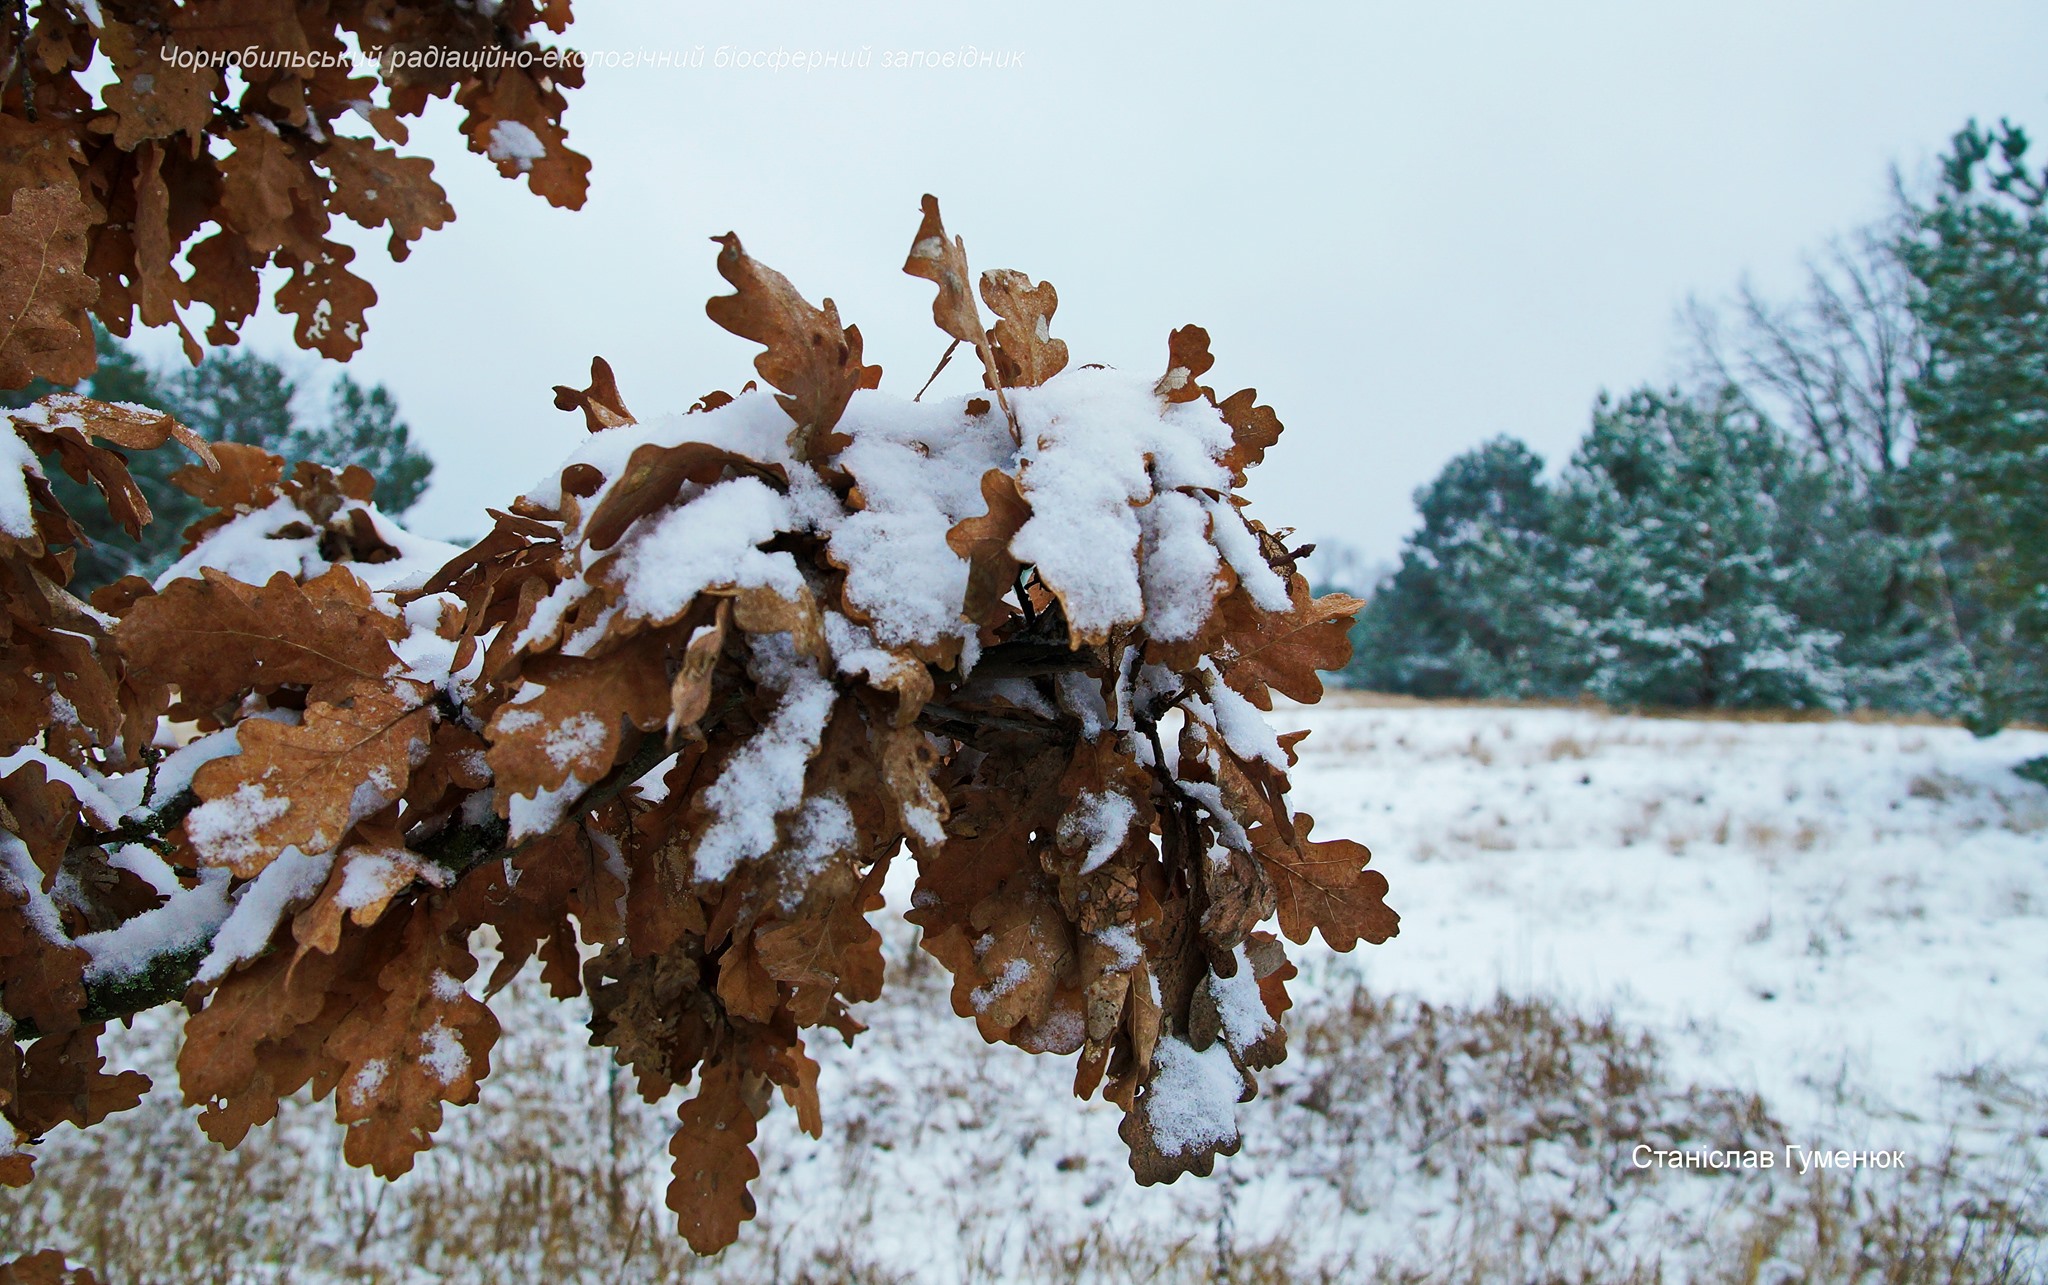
(231, 396)
(1978, 484)
(1682, 567)
(1463, 615)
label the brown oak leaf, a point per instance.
(44, 288)
(600, 403)
(215, 637)
(62, 1082)
(1026, 353)
(574, 724)
(152, 97)
(985, 543)
(714, 1160)
(45, 1267)
(1283, 651)
(1187, 360)
(944, 264)
(811, 359)
(305, 786)
(377, 187)
(1324, 886)
(654, 475)
(428, 1042)
(1253, 430)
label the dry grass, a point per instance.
(1449, 1144)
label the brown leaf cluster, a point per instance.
(125, 147)
(657, 731)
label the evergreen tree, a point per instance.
(1682, 569)
(231, 396)
(1978, 483)
(1463, 614)
(363, 428)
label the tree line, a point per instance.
(1848, 509)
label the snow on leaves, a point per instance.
(666, 727)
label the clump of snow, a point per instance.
(146, 866)
(224, 829)
(1242, 727)
(173, 773)
(821, 829)
(1243, 1014)
(577, 736)
(919, 468)
(1241, 550)
(1100, 449)
(187, 920)
(1080, 695)
(1179, 570)
(371, 873)
(366, 1081)
(514, 142)
(1122, 942)
(442, 1054)
(253, 547)
(765, 777)
(540, 812)
(20, 877)
(1013, 975)
(285, 884)
(17, 465)
(1101, 820)
(90, 791)
(1209, 797)
(1192, 1102)
(711, 541)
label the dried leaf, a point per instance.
(944, 264)
(985, 543)
(215, 637)
(814, 363)
(428, 1042)
(1187, 360)
(44, 289)
(1026, 353)
(130, 427)
(601, 405)
(305, 786)
(377, 187)
(713, 1161)
(62, 1082)
(1284, 651)
(1324, 886)
(44, 1267)
(1253, 431)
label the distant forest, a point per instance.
(1846, 509)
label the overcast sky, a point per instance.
(1411, 226)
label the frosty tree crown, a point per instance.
(679, 711)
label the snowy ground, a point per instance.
(1697, 934)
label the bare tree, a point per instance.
(1830, 367)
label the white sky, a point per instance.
(1411, 226)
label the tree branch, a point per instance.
(165, 978)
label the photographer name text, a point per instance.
(1802, 1159)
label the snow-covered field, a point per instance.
(1698, 935)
